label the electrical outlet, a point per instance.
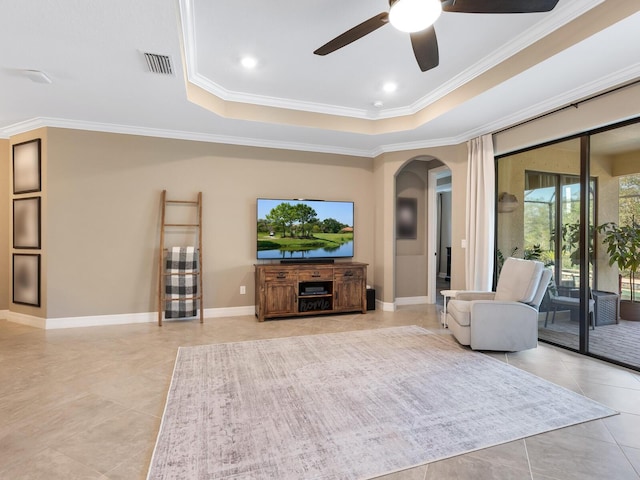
(243, 290)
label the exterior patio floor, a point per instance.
(619, 342)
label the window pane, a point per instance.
(615, 159)
(544, 223)
(546, 183)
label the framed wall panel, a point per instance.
(26, 167)
(26, 279)
(407, 218)
(26, 222)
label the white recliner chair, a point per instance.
(507, 319)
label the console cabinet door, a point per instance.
(280, 298)
(349, 289)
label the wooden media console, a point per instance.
(287, 290)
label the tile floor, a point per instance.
(86, 403)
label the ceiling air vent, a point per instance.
(159, 63)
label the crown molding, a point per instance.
(43, 122)
(621, 77)
(230, 96)
(187, 25)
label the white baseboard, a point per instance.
(386, 306)
(25, 319)
(230, 311)
(101, 320)
(117, 319)
(411, 300)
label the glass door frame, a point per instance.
(585, 210)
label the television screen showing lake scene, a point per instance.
(296, 229)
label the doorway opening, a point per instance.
(422, 232)
(440, 231)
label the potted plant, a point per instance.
(571, 242)
(623, 247)
(535, 252)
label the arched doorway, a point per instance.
(422, 231)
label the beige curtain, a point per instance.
(480, 214)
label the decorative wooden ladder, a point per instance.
(162, 272)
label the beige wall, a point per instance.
(104, 213)
(386, 168)
(5, 221)
(411, 258)
(412, 255)
(101, 209)
(626, 164)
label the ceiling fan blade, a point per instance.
(425, 48)
(354, 34)
(498, 6)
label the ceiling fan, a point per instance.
(417, 17)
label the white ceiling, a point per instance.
(93, 52)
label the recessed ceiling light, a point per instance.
(249, 62)
(378, 104)
(390, 87)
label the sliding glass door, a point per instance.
(545, 227)
(569, 204)
(617, 299)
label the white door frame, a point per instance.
(432, 231)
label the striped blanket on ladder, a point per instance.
(183, 262)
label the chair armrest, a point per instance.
(504, 313)
(470, 295)
(503, 326)
(482, 307)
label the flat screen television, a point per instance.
(304, 229)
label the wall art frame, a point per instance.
(27, 177)
(26, 279)
(26, 223)
(406, 218)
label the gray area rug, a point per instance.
(347, 406)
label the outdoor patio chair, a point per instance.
(557, 301)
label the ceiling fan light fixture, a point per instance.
(414, 15)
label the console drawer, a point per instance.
(280, 276)
(315, 275)
(349, 274)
